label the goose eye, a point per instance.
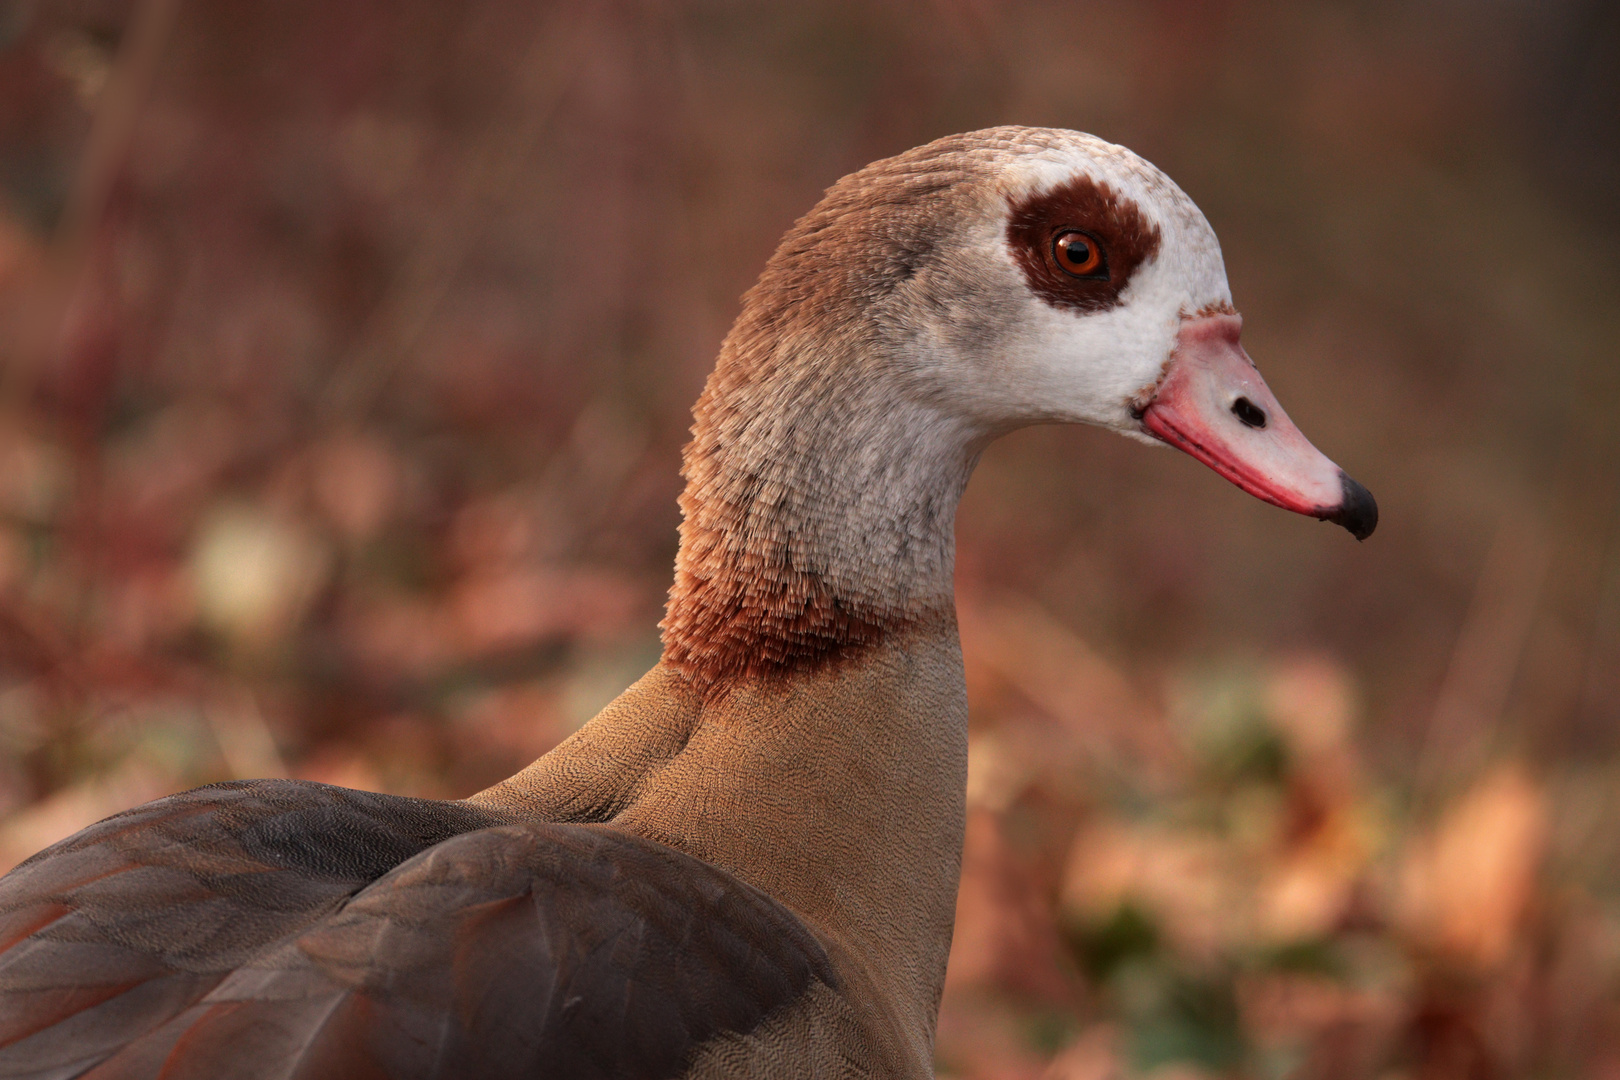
(1080, 255)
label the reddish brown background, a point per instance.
(347, 348)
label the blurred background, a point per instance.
(341, 402)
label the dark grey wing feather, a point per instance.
(521, 951)
(120, 927)
(260, 936)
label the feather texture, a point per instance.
(289, 929)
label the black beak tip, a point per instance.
(1358, 512)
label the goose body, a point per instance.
(747, 864)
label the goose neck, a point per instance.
(818, 520)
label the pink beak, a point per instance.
(1213, 404)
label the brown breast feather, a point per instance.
(282, 928)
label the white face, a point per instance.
(1047, 361)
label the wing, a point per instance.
(516, 950)
(522, 951)
(115, 930)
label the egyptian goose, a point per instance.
(747, 864)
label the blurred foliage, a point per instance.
(347, 350)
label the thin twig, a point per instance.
(396, 327)
(1488, 652)
(106, 151)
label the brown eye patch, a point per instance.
(1079, 243)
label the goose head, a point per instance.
(1019, 276)
(929, 303)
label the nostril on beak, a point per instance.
(1248, 412)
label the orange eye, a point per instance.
(1080, 255)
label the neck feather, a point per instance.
(818, 513)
